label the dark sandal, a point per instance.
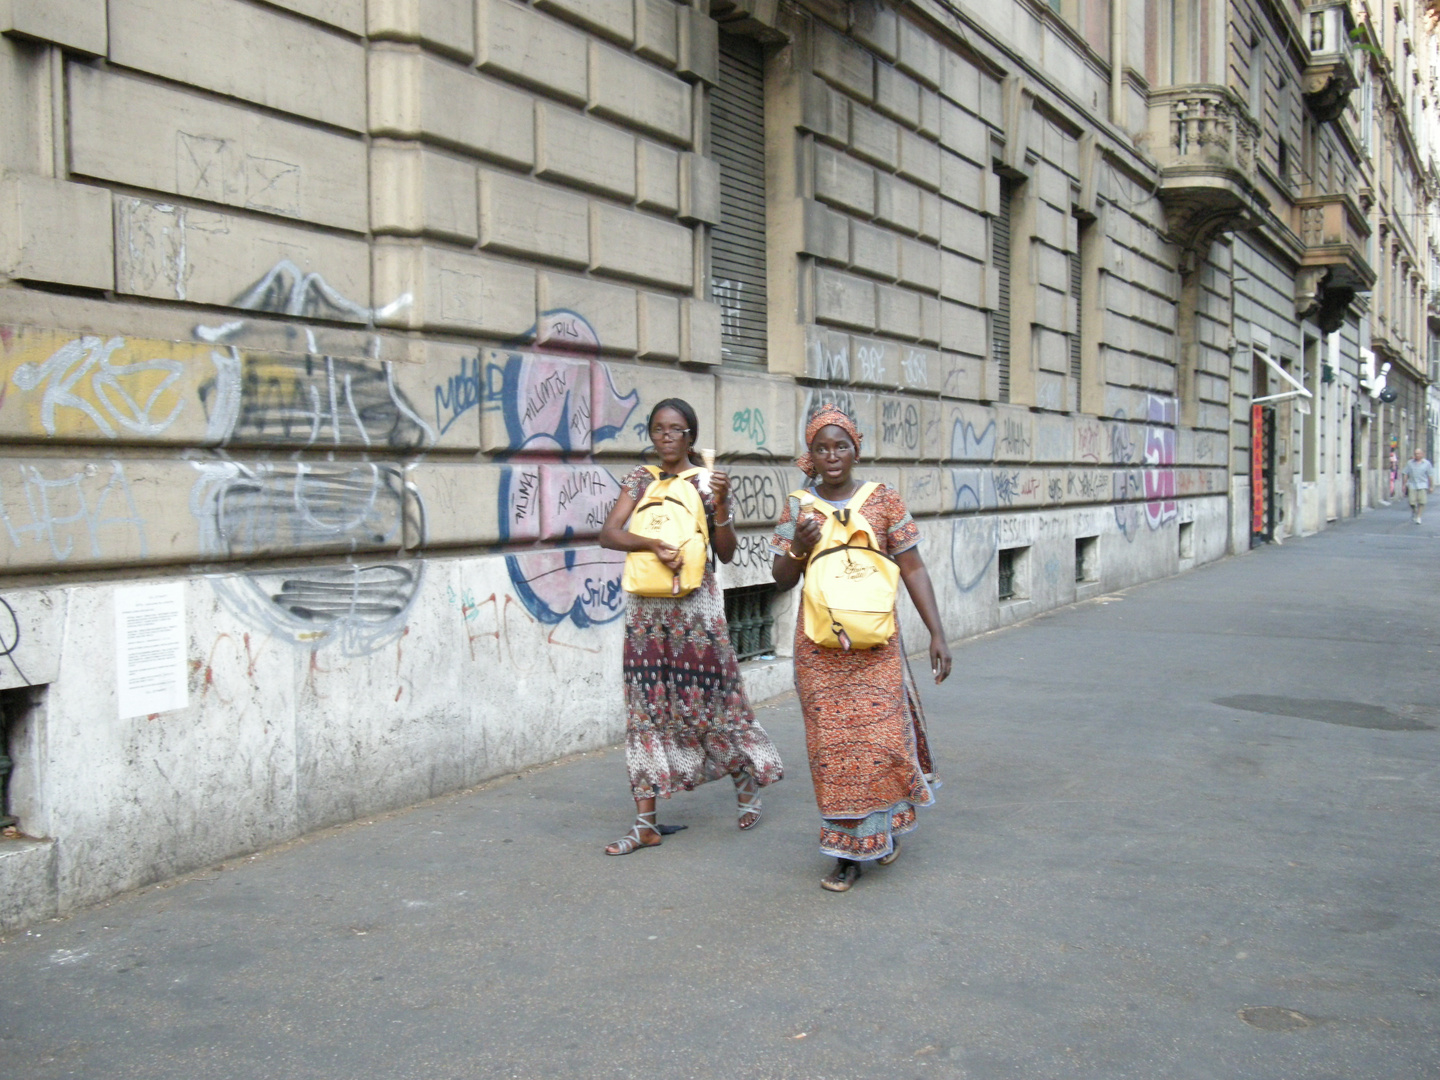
(891, 855)
(842, 877)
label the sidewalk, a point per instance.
(1123, 877)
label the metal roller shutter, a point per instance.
(1000, 256)
(1075, 279)
(737, 244)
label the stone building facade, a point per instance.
(329, 325)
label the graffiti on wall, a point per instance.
(555, 396)
(304, 398)
(83, 377)
(271, 509)
(750, 423)
(71, 510)
(309, 400)
(553, 400)
(358, 607)
(579, 584)
(968, 444)
(1160, 505)
(83, 386)
(1155, 484)
(285, 289)
(459, 394)
(900, 426)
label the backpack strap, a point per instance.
(858, 499)
(851, 511)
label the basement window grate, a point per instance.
(1007, 574)
(749, 611)
(14, 706)
(1087, 559)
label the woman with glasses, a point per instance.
(864, 729)
(687, 719)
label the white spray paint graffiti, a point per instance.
(90, 357)
(287, 290)
(61, 509)
(270, 508)
(727, 294)
(310, 400)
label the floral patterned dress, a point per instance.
(687, 719)
(864, 728)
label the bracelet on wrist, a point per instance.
(721, 524)
(797, 558)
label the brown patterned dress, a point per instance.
(864, 728)
(687, 719)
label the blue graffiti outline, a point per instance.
(610, 431)
(493, 398)
(973, 502)
(496, 397)
(447, 397)
(543, 611)
(970, 439)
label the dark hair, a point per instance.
(684, 408)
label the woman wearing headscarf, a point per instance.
(864, 729)
(687, 719)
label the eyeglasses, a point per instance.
(669, 432)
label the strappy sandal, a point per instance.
(747, 794)
(842, 877)
(631, 841)
(892, 855)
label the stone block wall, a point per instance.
(348, 315)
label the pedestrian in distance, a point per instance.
(1419, 478)
(687, 719)
(865, 732)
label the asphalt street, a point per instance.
(1189, 830)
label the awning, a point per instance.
(1286, 395)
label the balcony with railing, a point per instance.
(1330, 76)
(1205, 142)
(1333, 268)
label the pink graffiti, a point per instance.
(1160, 505)
(580, 584)
(574, 500)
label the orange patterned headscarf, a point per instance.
(828, 414)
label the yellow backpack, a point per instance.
(671, 510)
(850, 584)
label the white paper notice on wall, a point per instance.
(150, 649)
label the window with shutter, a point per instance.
(1075, 279)
(1000, 259)
(737, 243)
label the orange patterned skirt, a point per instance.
(869, 753)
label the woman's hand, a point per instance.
(720, 489)
(807, 535)
(939, 659)
(668, 555)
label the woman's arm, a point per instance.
(723, 539)
(787, 569)
(922, 593)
